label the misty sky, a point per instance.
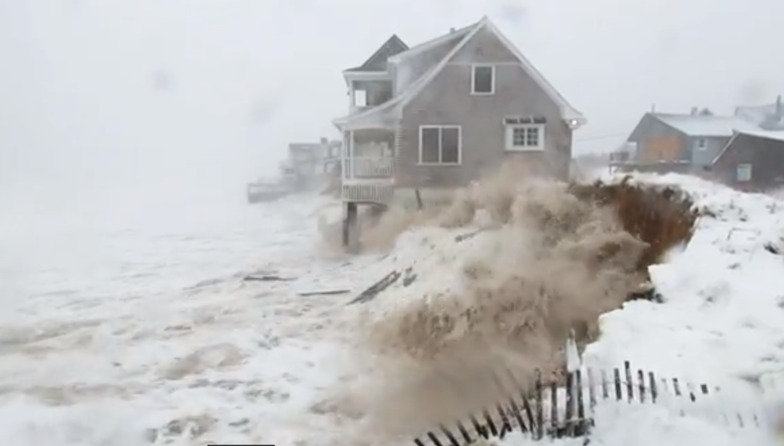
(172, 93)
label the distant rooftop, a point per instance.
(700, 125)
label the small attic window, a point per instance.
(482, 79)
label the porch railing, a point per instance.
(368, 167)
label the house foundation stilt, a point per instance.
(351, 226)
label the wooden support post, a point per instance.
(351, 227)
(345, 227)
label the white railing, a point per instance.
(368, 167)
(368, 192)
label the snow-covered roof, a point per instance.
(700, 125)
(769, 134)
(458, 39)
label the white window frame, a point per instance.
(745, 167)
(700, 143)
(509, 137)
(492, 80)
(440, 144)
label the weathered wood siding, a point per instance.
(447, 100)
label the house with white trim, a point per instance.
(440, 114)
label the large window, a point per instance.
(482, 79)
(439, 144)
(744, 173)
(524, 137)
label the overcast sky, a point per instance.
(179, 92)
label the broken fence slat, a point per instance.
(580, 402)
(464, 432)
(690, 388)
(591, 390)
(480, 429)
(452, 440)
(652, 381)
(605, 393)
(641, 379)
(434, 439)
(553, 407)
(490, 423)
(539, 405)
(617, 377)
(569, 414)
(629, 384)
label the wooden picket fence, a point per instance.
(564, 406)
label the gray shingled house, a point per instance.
(440, 114)
(671, 142)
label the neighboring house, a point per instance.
(745, 151)
(442, 113)
(311, 162)
(752, 161)
(683, 143)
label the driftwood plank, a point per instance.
(322, 293)
(267, 278)
(370, 293)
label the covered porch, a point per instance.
(369, 154)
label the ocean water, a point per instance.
(125, 320)
(76, 252)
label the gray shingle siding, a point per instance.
(447, 100)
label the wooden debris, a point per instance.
(270, 278)
(470, 235)
(645, 291)
(409, 277)
(773, 249)
(370, 293)
(322, 292)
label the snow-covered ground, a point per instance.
(222, 360)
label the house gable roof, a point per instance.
(378, 61)
(397, 103)
(709, 126)
(432, 43)
(567, 111)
